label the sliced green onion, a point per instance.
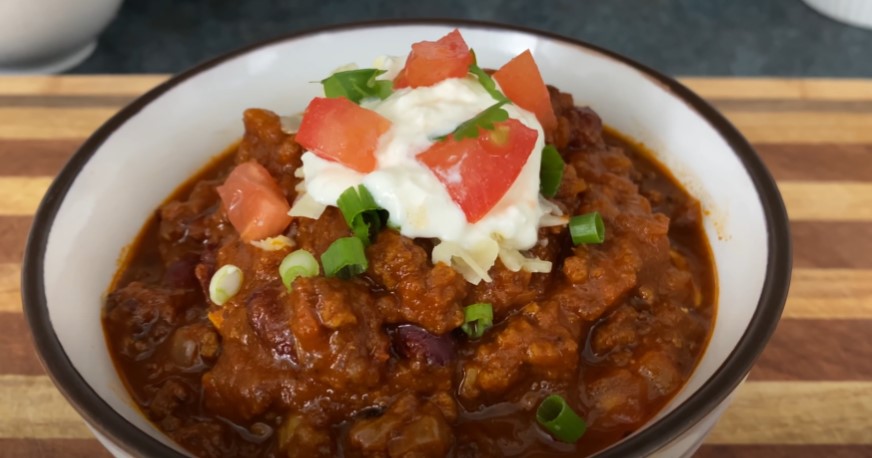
(225, 284)
(344, 258)
(300, 263)
(587, 228)
(484, 120)
(477, 318)
(486, 81)
(363, 215)
(555, 415)
(356, 85)
(550, 171)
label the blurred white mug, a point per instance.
(50, 36)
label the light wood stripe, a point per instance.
(66, 448)
(805, 200)
(787, 88)
(795, 127)
(827, 201)
(79, 84)
(814, 293)
(51, 123)
(39, 123)
(728, 88)
(797, 413)
(830, 293)
(784, 451)
(31, 407)
(21, 195)
(10, 287)
(762, 412)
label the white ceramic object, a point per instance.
(853, 12)
(126, 169)
(50, 36)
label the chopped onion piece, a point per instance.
(307, 207)
(276, 243)
(226, 282)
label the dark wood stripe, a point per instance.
(832, 244)
(794, 105)
(67, 448)
(784, 451)
(817, 350)
(13, 236)
(17, 355)
(818, 162)
(66, 101)
(35, 157)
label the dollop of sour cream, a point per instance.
(417, 202)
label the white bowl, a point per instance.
(127, 168)
(50, 36)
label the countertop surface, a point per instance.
(810, 394)
(679, 37)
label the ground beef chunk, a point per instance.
(427, 295)
(265, 142)
(542, 339)
(409, 428)
(145, 316)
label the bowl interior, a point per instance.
(171, 137)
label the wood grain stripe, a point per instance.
(823, 162)
(817, 350)
(799, 162)
(21, 195)
(784, 451)
(717, 88)
(13, 236)
(51, 123)
(821, 201)
(79, 84)
(10, 284)
(800, 350)
(814, 293)
(832, 245)
(768, 105)
(797, 413)
(761, 413)
(17, 355)
(88, 101)
(797, 127)
(830, 294)
(805, 200)
(763, 127)
(31, 407)
(67, 448)
(816, 244)
(785, 88)
(35, 157)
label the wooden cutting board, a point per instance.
(810, 394)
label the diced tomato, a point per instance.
(522, 83)
(254, 203)
(478, 172)
(342, 131)
(433, 61)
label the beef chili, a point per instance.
(407, 357)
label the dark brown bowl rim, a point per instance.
(138, 443)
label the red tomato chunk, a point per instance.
(478, 172)
(341, 131)
(255, 205)
(521, 81)
(431, 62)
